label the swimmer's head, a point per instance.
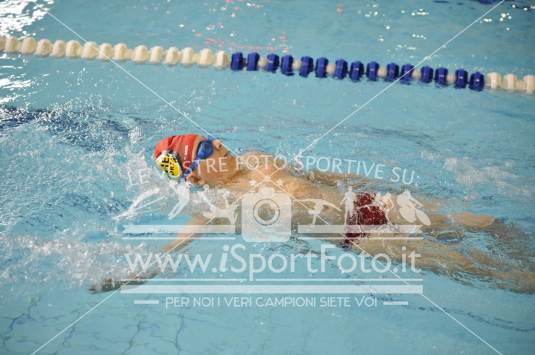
(194, 158)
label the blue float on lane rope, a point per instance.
(356, 71)
(392, 72)
(236, 61)
(321, 67)
(426, 74)
(477, 81)
(272, 63)
(307, 66)
(371, 70)
(340, 70)
(441, 76)
(406, 73)
(252, 61)
(286, 65)
(461, 78)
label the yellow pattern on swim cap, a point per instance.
(168, 163)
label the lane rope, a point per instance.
(287, 64)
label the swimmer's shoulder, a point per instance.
(263, 162)
(255, 153)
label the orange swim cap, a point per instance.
(180, 145)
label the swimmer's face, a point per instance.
(215, 169)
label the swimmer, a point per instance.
(207, 162)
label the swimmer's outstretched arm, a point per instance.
(182, 239)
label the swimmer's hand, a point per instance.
(110, 284)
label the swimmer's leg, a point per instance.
(455, 226)
(467, 220)
(449, 260)
(508, 240)
(473, 221)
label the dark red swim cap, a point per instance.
(181, 145)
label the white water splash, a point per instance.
(31, 260)
(467, 174)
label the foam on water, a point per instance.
(469, 174)
(62, 262)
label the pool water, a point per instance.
(72, 132)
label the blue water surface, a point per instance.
(72, 132)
